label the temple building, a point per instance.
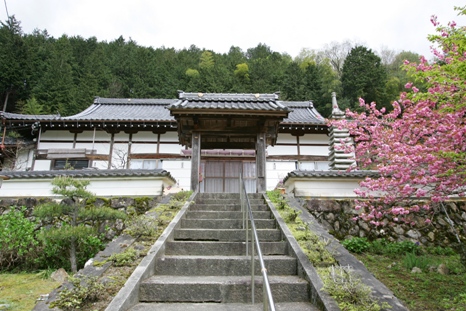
(204, 141)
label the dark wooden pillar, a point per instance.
(110, 153)
(261, 163)
(195, 160)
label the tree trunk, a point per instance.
(6, 101)
(74, 266)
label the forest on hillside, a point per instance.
(40, 74)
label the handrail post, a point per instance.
(252, 267)
(268, 303)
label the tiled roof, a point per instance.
(87, 173)
(126, 109)
(199, 101)
(302, 113)
(29, 117)
(155, 110)
(330, 174)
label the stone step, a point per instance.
(227, 201)
(225, 207)
(169, 288)
(225, 234)
(204, 214)
(209, 248)
(223, 265)
(284, 306)
(225, 223)
(228, 195)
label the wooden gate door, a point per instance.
(223, 176)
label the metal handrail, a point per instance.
(249, 218)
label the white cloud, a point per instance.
(286, 26)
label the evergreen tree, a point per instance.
(364, 76)
(72, 218)
(13, 60)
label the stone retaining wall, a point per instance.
(111, 229)
(337, 217)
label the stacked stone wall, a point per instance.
(338, 217)
(111, 229)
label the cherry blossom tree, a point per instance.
(419, 147)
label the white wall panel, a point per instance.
(277, 171)
(321, 187)
(284, 138)
(314, 150)
(282, 150)
(99, 164)
(143, 148)
(314, 139)
(56, 135)
(169, 136)
(102, 187)
(119, 156)
(145, 136)
(180, 170)
(53, 145)
(102, 148)
(170, 148)
(42, 165)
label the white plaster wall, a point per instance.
(102, 148)
(86, 135)
(169, 136)
(180, 170)
(276, 171)
(144, 148)
(103, 187)
(42, 165)
(314, 139)
(119, 156)
(145, 136)
(282, 150)
(170, 148)
(99, 164)
(314, 150)
(285, 138)
(56, 135)
(322, 187)
(56, 145)
(121, 137)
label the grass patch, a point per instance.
(421, 291)
(20, 290)
(391, 263)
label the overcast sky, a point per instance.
(285, 26)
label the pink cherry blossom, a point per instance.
(419, 147)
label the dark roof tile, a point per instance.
(330, 174)
(87, 173)
(155, 110)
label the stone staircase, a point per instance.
(204, 266)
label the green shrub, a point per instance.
(348, 290)
(401, 248)
(17, 239)
(378, 246)
(84, 291)
(438, 250)
(182, 195)
(142, 225)
(356, 245)
(54, 254)
(291, 215)
(126, 258)
(411, 260)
